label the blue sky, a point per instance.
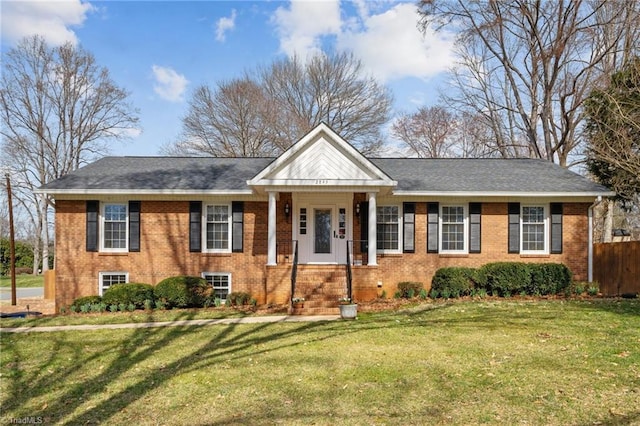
(161, 50)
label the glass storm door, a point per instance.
(322, 230)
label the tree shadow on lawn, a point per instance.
(616, 305)
(222, 343)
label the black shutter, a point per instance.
(237, 230)
(364, 226)
(556, 228)
(134, 225)
(475, 227)
(195, 226)
(409, 225)
(432, 227)
(92, 225)
(514, 227)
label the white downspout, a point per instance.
(590, 240)
(271, 233)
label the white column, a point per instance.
(373, 227)
(271, 247)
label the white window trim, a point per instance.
(204, 228)
(102, 274)
(400, 233)
(465, 229)
(227, 274)
(103, 205)
(546, 222)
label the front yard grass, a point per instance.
(467, 362)
(24, 280)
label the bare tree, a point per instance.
(330, 89)
(429, 133)
(232, 121)
(265, 114)
(59, 109)
(527, 65)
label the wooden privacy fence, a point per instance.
(616, 266)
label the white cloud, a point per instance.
(50, 19)
(169, 84)
(301, 26)
(225, 24)
(388, 42)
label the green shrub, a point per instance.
(423, 294)
(434, 294)
(148, 304)
(113, 308)
(458, 281)
(593, 289)
(239, 298)
(135, 293)
(504, 278)
(549, 278)
(408, 289)
(86, 300)
(183, 291)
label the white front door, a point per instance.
(322, 227)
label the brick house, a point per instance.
(239, 222)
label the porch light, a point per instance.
(357, 209)
(287, 210)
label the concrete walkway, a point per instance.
(203, 322)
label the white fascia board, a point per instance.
(322, 182)
(142, 192)
(502, 194)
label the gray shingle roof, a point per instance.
(163, 173)
(412, 174)
(483, 175)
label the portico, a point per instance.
(322, 172)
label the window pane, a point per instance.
(115, 226)
(533, 228)
(220, 285)
(111, 279)
(217, 227)
(452, 228)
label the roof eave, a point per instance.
(528, 194)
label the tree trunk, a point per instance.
(45, 234)
(607, 231)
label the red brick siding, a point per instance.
(164, 251)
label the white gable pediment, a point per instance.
(321, 158)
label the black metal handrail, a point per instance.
(294, 269)
(349, 276)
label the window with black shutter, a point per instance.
(134, 226)
(92, 225)
(237, 221)
(195, 226)
(432, 227)
(409, 227)
(556, 228)
(514, 227)
(475, 228)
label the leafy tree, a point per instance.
(613, 132)
(264, 113)
(24, 255)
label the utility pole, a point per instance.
(12, 245)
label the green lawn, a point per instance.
(467, 362)
(23, 281)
